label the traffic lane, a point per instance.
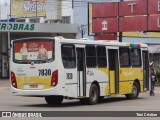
(4, 83)
(108, 104)
(15, 103)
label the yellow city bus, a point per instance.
(59, 68)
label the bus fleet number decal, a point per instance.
(44, 72)
(69, 75)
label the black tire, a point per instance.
(100, 99)
(93, 94)
(54, 100)
(83, 101)
(135, 92)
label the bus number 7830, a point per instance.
(44, 72)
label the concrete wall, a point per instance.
(51, 8)
(4, 11)
(4, 61)
(67, 9)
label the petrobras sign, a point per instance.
(38, 27)
(4, 26)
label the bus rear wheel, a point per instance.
(54, 100)
(135, 92)
(93, 94)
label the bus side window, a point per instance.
(135, 57)
(68, 56)
(91, 56)
(101, 57)
(124, 57)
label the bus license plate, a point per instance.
(33, 86)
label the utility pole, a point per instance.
(83, 30)
(8, 34)
(9, 43)
(10, 7)
(36, 11)
(120, 33)
(72, 4)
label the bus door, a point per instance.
(145, 69)
(113, 71)
(81, 72)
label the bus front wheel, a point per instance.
(135, 91)
(54, 100)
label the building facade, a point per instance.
(41, 11)
(81, 15)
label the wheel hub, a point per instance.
(134, 91)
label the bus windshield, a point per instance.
(33, 50)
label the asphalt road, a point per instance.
(119, 103)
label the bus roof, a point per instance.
(100, 42)
(87, 41)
